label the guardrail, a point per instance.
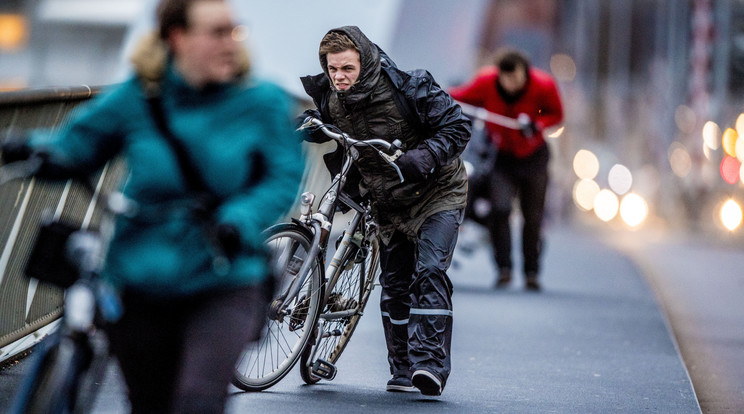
(26, 306)
(29, 309)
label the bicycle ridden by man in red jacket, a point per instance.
(515, 89)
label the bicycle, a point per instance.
(318, 304)
(71, 362)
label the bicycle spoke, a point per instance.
(289, 327)
(351, 292)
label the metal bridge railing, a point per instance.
(28, 309)
(27, 306)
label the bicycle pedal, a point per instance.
(324, 369)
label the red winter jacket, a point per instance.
(540, 101)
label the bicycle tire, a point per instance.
(266, 361)
(53, 386)
(333, 342)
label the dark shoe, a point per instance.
(504, 278)
(426, 382)
(532, 284)
(400, 383)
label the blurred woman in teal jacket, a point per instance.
(186, 321)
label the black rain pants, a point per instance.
(416, 299)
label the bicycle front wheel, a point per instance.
(53, 384)
(351, 291)
(287, 333)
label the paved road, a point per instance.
(595, 340)
(699, 280)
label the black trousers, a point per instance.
(527, 180)
(178, 356)
(416, 299)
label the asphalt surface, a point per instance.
(595, 340)
(699, 280)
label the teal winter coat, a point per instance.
(164, 250)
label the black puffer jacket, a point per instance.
(437, 122)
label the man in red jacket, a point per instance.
(515, 89)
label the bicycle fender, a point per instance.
(295, 224)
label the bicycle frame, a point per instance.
(321, 298)
(321, 222)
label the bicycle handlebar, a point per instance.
(393, 150)
(116, 202)
(20, 169)
(492, 117)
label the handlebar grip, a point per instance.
(20, 169)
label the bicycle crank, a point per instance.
(337, 303)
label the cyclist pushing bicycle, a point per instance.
(364, 94)
(212, 161)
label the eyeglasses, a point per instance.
(235, 32)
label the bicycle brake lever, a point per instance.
(391, 160)
(309, 122)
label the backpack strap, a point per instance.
(194, 179)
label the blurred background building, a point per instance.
(653, 89)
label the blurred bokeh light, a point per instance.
(679, 160)
(606, 205)
(633, 209)
(240, 33)
(739, 149)
(557, 133)
(730, 169)
(729, 140)
(740, 124)
(586, 164)
(711, 135)
(563, 67)
(13, 31)
(731, 214)
(620, 179)
(584, 192)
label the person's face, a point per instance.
(513, 81)
(206, 51)
(343, 68)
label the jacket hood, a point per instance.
(150, 57)
(369, 57)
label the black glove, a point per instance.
(228, 237)
(417, 165)
(300, 120)
(15, 148)
(527, 126)
(310, 134)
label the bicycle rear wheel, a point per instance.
(351, 291)
(285, 336)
